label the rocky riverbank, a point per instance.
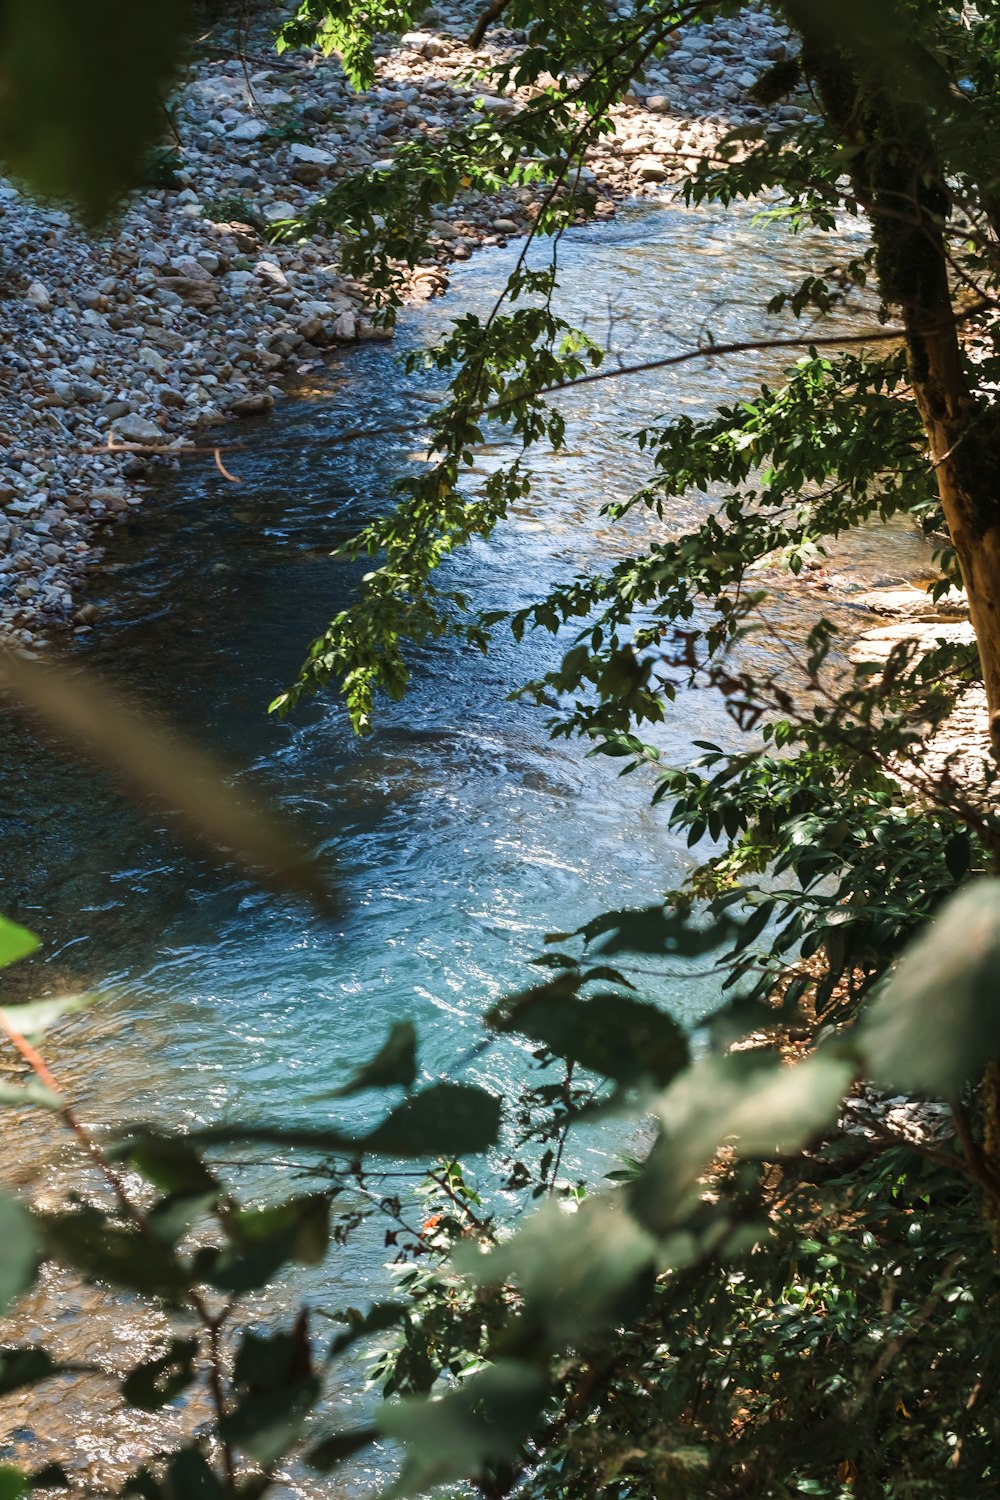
(183, 314)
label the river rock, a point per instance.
(914, 604)
(191, 268)
(877, 645)
(38, 296)
(136, 429)
(252, 404)
(345, 328)
(152, 359)
(248, 130)
(313, 155)
(496, 104)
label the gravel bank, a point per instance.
(184, 316)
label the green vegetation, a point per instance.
(767, 1303)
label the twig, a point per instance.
(895, 1346)
(492, 13)
(975, 1160)
(157, 451)
(568, 1101)
(461, 1204)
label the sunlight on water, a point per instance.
(462, 834)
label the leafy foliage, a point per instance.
(789, 1291)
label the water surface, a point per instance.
(461, 832)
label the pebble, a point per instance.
(182, 315)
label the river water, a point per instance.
(461, 833)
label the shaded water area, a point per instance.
(461, 833)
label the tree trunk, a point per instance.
(898, 179)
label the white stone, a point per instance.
(314, 155)
(152, 359)
(496, 104)
(345, 327)
(269, 270)
(39, 297)
(136, 429)
(250, 130)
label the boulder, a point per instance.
(345, 328)
(496, 104)
(152, 359)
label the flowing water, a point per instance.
(460, 831)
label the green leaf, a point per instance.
(278, 1390)
(486, 1420)
(332, 1450)
(936, 1023)
(168, 1162)
(80, 708)
(171, 1164)
(87, 1240)
(578, 1272)
(655, 929)
(189, 1477)
(624, 1039)
(263, 1240)
(50, 1477)
(265, 1424)
(383, 1315)
(82, 92)
(448, 1119)
(15, 942)
(22, 1094)
(20, 1249)
(156, 1382)
(755, 1108)
(21, 1367)
(37, 1017)
(395, 1063)
(13, 1484)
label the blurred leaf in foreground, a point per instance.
(80, 708)
(937, 1022)
(20, 1249)
(82, 90)
(15, 942)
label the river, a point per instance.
(461, 833)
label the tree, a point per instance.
(670, 1338)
